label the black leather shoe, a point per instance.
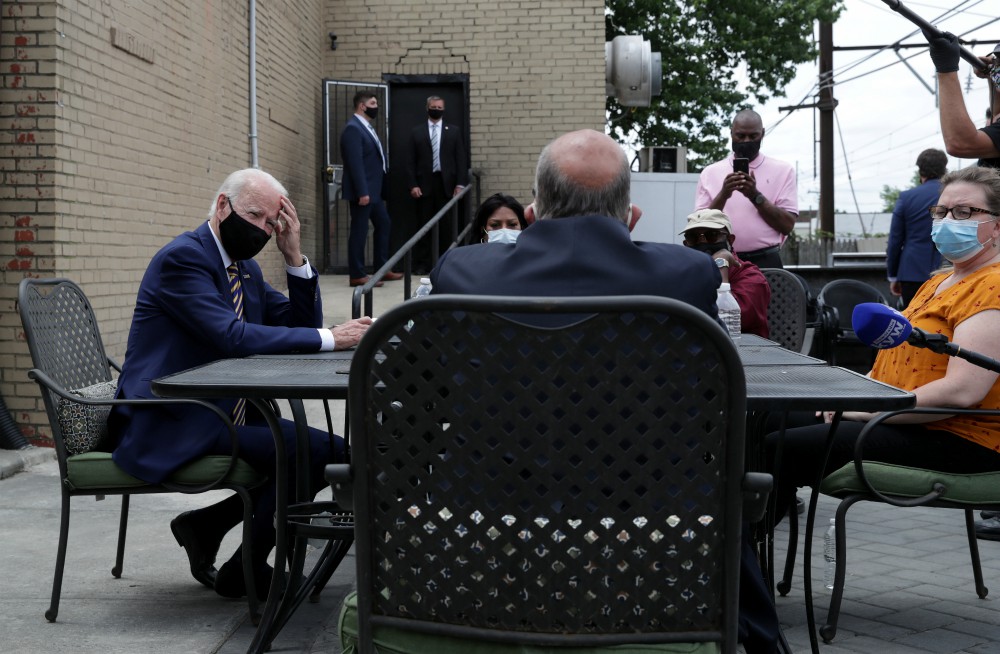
(201, 557)
(230, 582)
(986, 515)
(988, 529)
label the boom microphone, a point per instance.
(902, 10)
(882, 327)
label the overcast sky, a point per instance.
(886, 116)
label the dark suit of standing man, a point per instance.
(363, 187)
(435, 174)
(186, 315)
(910, 253)
(579, 246)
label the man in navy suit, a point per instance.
(910, 253)
(363, 187)
(436, 170)
(580, 245)
(189, 312)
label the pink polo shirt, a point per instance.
(775, 179)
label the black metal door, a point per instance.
(407, 109)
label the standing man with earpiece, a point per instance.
(436, 170)
(364, 185)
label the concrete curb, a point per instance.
(14, 461)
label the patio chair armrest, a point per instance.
(938, 488)
(341, 479)
(756, 489)
(50, 385)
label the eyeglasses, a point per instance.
(957, 212)
(710, 235)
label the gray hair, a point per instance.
(433, 98)
(237, 181)
(559, 196)
(987, 178)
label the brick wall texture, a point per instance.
(119, 119)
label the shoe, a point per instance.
(392, 276)
(986, 515)
(988, 529)
(361, 281)
(230, 582)
(201, 557)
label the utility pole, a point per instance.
(827, 103)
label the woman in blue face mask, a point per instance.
(963, 304)
(500, 219)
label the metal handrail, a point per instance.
(405, 254)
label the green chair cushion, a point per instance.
(389, 640)
(97, 470)
(974, 489)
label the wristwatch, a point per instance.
(759, 199)
(721, 263)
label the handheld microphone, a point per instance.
(882, 327)
(879, 326)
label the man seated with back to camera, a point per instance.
(204, 298)
(580, 246)
(963, 304)
(711, 232)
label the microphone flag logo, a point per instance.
(892, 336)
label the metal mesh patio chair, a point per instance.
(517, 488)
(786, 312)
(837, 300)
(74, 374)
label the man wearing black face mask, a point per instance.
(204, 298)
(762, 203)
(436, 170)
(364, 187)
(710, 231)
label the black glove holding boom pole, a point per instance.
(944, 51)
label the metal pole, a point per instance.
(826, 105)
(252, 56)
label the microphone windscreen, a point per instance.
(879, 326)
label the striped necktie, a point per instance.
(239, 411)
(436, 147)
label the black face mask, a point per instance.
(241, 238)
(710, 248)
(435, 114)
(371, 112)
(747, 149)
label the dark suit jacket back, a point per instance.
(910, 253)
(420, 162)
(580, 256)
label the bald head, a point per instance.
(582, 173)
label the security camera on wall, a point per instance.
(632, 73)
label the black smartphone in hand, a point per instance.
(741, 165)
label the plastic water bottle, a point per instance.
(830, 554)
(424, 289)
(729, 311)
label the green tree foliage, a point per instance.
(704, 44)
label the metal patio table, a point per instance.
(291, 377)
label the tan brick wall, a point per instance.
(108, 152)
(536, 69)
(112, 145)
